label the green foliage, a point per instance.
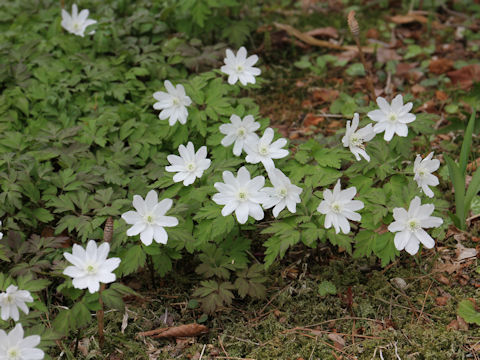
(458, 172)
(467, 311)
(327, 288)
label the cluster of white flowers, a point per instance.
(13, 346)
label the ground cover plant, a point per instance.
(301, 184)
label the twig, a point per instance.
(344, 318)
(314, 346)
(332, 332)
(424, 301)
(333, 347)
(244, 340)
(203, 350)
(221, 345)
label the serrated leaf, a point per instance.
(467, 311)
(327, 288)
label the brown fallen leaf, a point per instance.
(326, 31)
(463, 252)
(385, 54)
(417, 89)
(338, 340)
(409, 18)
(462, 325)
(441, 95)
(441, 301)
(473, 165)
(316, 42)
(325, 95)
(312, 120)
(187, 330)
(466, 76)
(440, 66)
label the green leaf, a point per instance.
(43, 215)
(473, 189)
(467, 311)
(458, 181)
(132, 259)
(467, 143)
(364, 243)
(327, 288)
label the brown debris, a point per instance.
(466, 76)
(440, 66)
(188, 330)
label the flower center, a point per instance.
(239, 68)
(355, 140)
(241, 131)
(149, 219)
(9, 299)
(242, 195)
(422, 172)
(91, 269)
(392, 117)
(191, 166)
(413, 224)
(176, 101)
(263, 149)
(282, 192)
(336, 207)
(13, 353)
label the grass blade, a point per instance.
(458, 182)
(467, 143)
(473, 189)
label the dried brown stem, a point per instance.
(107, 237)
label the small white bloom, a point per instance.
(423, 173)
(149, 220)
(240, 67)
(263, 150)
(392, 119)
(77, 23)
(241, 194)
(13, 346)
(282, 194)
(90, 266)
(1, 234)
(409, 226)
(189, 165)
(354, 139)
(238, 132)
(339, 206)
(13, 299)
(173, 103)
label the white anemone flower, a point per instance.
(282, 194)
(409, 226)
(91, 266)
(1, 234)
(149, 220)
(238, 132)
(13, 346)
(263, 150)
(423, 173)
(339, 206)
(189, 165)
(13, 299)
(392, 119)
(241, 194)
(77, 23)
(173, 103)
(239, 67)
(354, 138)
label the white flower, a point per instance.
(238, 132)
(263, 150)
(339, 206)
(13, 346)
(13, 299)
(149, 220)
(410, 226)
(77, 23)
(189, 165)
(90, 266)
(392, 119)
(1, 234)
(423, 173)
(173, 103)
(354, 139)
(283, 194)
(240, 67)
(240, 194)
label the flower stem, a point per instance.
(152, 271)
(107, 237)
